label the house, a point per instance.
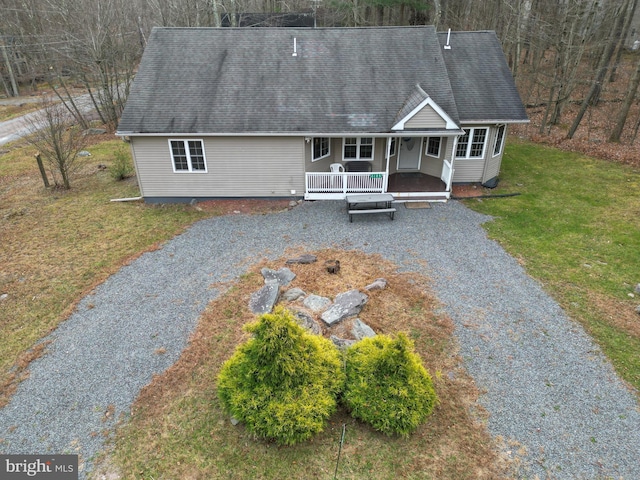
(318, 113)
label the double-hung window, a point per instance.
(497, 147)
(357, 148)
(472, 143)
(188, 156)
(433, 146)
(321, 148)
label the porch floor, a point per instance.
(415, 182)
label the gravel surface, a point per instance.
(552, 397)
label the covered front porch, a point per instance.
(409, 168)
(403, 186)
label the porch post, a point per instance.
(385, 184)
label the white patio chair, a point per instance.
(336, 168)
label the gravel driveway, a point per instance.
(549, 390)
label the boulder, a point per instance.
(293, 294)
(316, 303)
(341, 343)
(361, 330)
(378, 284)
(346, 304)
(637, 288)
(84, 153)
(308, 322)
(282, 277)
(94, 131)
(264, 299)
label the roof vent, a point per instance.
(295, 47)
(448, 46)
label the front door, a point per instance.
(410, 153)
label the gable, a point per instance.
(427, 117)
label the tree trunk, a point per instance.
(626, 105)
(625, 32)
(14, 86)
(603, 67)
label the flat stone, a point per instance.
(341, 343)
(361, 330)
(4, 296)
(316, 303)
(234, 421)
(264, 299)
(304, 259)
(293, 294)
(282, 277)
(84, 153)
(378, 284)
(346, 304)
(308, 322)
(94, 131)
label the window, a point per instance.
(471, 144)
(360, 148)
(392, 147)
(320, 148)
(188, 156)
(497, 147)
(433, 146)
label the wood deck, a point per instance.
(414, 182)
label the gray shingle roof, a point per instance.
(480, 77)
(238, 80)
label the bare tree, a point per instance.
(626, 105)
(53, 132)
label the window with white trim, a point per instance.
(392, 147)
(321, 148)
(188, 156)
(497, 147)
(357, 148)
(472, 143)
(433, 146)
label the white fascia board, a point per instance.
(264, 134)
(492, 122)
(450, 124)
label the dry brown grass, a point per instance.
(177, 417)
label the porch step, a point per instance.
(434, 198)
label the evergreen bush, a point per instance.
(387, 386)
(122, 167)
(284, 382)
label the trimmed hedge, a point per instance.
(387, 386)
(283, 383)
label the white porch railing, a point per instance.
(334, 186)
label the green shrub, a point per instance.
(284, 382)
(122, 167)
(387, 386)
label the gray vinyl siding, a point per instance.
(426, 118)
(236, 167)
(493, 163)
(335, 156)
(467, 170)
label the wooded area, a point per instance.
(561, 52)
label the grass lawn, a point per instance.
(576, 228)
(57, 244)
